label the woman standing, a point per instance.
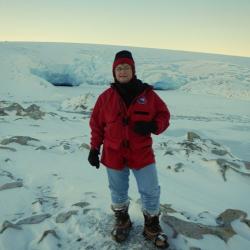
(122, 120)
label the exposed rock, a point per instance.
(214, 143)
(41, 148)
(7, 174)
(32, 108)
(22, 140)
(86, 210)
(223, 162)
(62, 217)
(11, 185)
(81, 204)
(8, 148)
(15, 107)
(33, 111)
(169, 152)
(47, 232)
(84, 146)
(225, 165)
(62, 118)
(196, 230)
(247, 164)
(66, 146)
(2, 113)
(224, 229)
(191, 136)
(49, 201)
(223, 169)
(207, 150)
(163, 145)
(166, 208)
(190, 147)
(230, 215)
(178, 166)
(220, 152)
(8, 224)
(33, 219)
(247, 222)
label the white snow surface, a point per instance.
(206, 94)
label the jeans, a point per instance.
(147, 183)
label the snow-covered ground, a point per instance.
(51, 198)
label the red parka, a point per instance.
(112, 125)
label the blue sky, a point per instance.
(213, 26)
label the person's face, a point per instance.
(123, 73)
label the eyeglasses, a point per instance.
(125, 68)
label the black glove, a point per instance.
(94, 158)
(145, 128)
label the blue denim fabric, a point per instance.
(147, 183)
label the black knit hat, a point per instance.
(123, 56)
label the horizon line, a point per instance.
(125, 45)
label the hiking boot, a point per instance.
(152, 231)
(122, 225)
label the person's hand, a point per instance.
(94, 158)
(145, 128)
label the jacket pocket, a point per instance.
(113, 130)
(141, 113)
(116, 145)
(140, 143)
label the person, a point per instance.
(122, 120)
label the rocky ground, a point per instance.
(46, 221)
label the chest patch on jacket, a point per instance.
(142, 100)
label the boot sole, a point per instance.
(154, 239)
